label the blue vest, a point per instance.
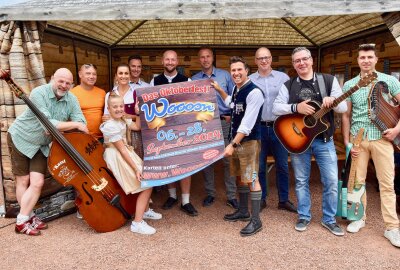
(239, 108)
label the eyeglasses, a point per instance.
(304, 59)
(264, 58)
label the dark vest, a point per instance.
(161, 79)
(237, 113)
(294, 87)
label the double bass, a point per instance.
(76, 159)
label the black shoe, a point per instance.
(252, 227)
(233, 203)
(288, 206)
(263, 204)
(209, 200)
(189, 209)
(169, 203)
(237, 215)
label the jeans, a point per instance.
(230, 181)
(325, 155)
(271, 145)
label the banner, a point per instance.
(181, 130)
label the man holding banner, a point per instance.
(206, 58)
(246, 103)
(171, 75)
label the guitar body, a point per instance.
(355, 208)
(342, 200)
(296, 131)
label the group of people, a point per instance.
(248, 106)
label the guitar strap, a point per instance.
(321, 85)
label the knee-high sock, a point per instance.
(243, 199)
(255, 204)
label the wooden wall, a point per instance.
(59, 52)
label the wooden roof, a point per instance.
(196, 22)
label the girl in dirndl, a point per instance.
(125, 164)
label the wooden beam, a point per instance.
(128, 33)
(392, 20)
(72, 10)
(299, 31)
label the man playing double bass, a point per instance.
(376, 144)
(29, 141)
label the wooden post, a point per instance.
(392, 20)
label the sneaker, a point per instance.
(169, 203)
(301, 225)
(355, 226)
(150, 214)
(142, 228)
(233, 203)
(333, 228)
(26, 228)
(393, 236)
(78, 215)
(189, 209)
(37, 223)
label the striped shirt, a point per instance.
(359, 100)
(270, 85)
(27, 132)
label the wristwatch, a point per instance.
(234, 145)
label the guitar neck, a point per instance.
(320, 113)
(353, 167)
(361, 83)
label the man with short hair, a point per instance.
(246, 102)
(29, 143)
(294, 97)
(209, 71)
(375, 144)
(270, 81)
(171, 75)
(135, 68)
(91, 98)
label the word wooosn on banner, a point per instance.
(181, 130)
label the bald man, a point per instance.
(28, 142)
(171, 75)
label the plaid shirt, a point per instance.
(359, 100)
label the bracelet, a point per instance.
(292, 108)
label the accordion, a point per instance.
(383, 114)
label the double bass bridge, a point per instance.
(102, 185)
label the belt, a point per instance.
(222, 116)
(267, 123)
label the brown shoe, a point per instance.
(37, 223)
(26, 228)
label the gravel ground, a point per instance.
(206, 241)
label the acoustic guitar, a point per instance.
(297, 131)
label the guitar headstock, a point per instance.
(367, 79)
(4, 75)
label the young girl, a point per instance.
(124, 163)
